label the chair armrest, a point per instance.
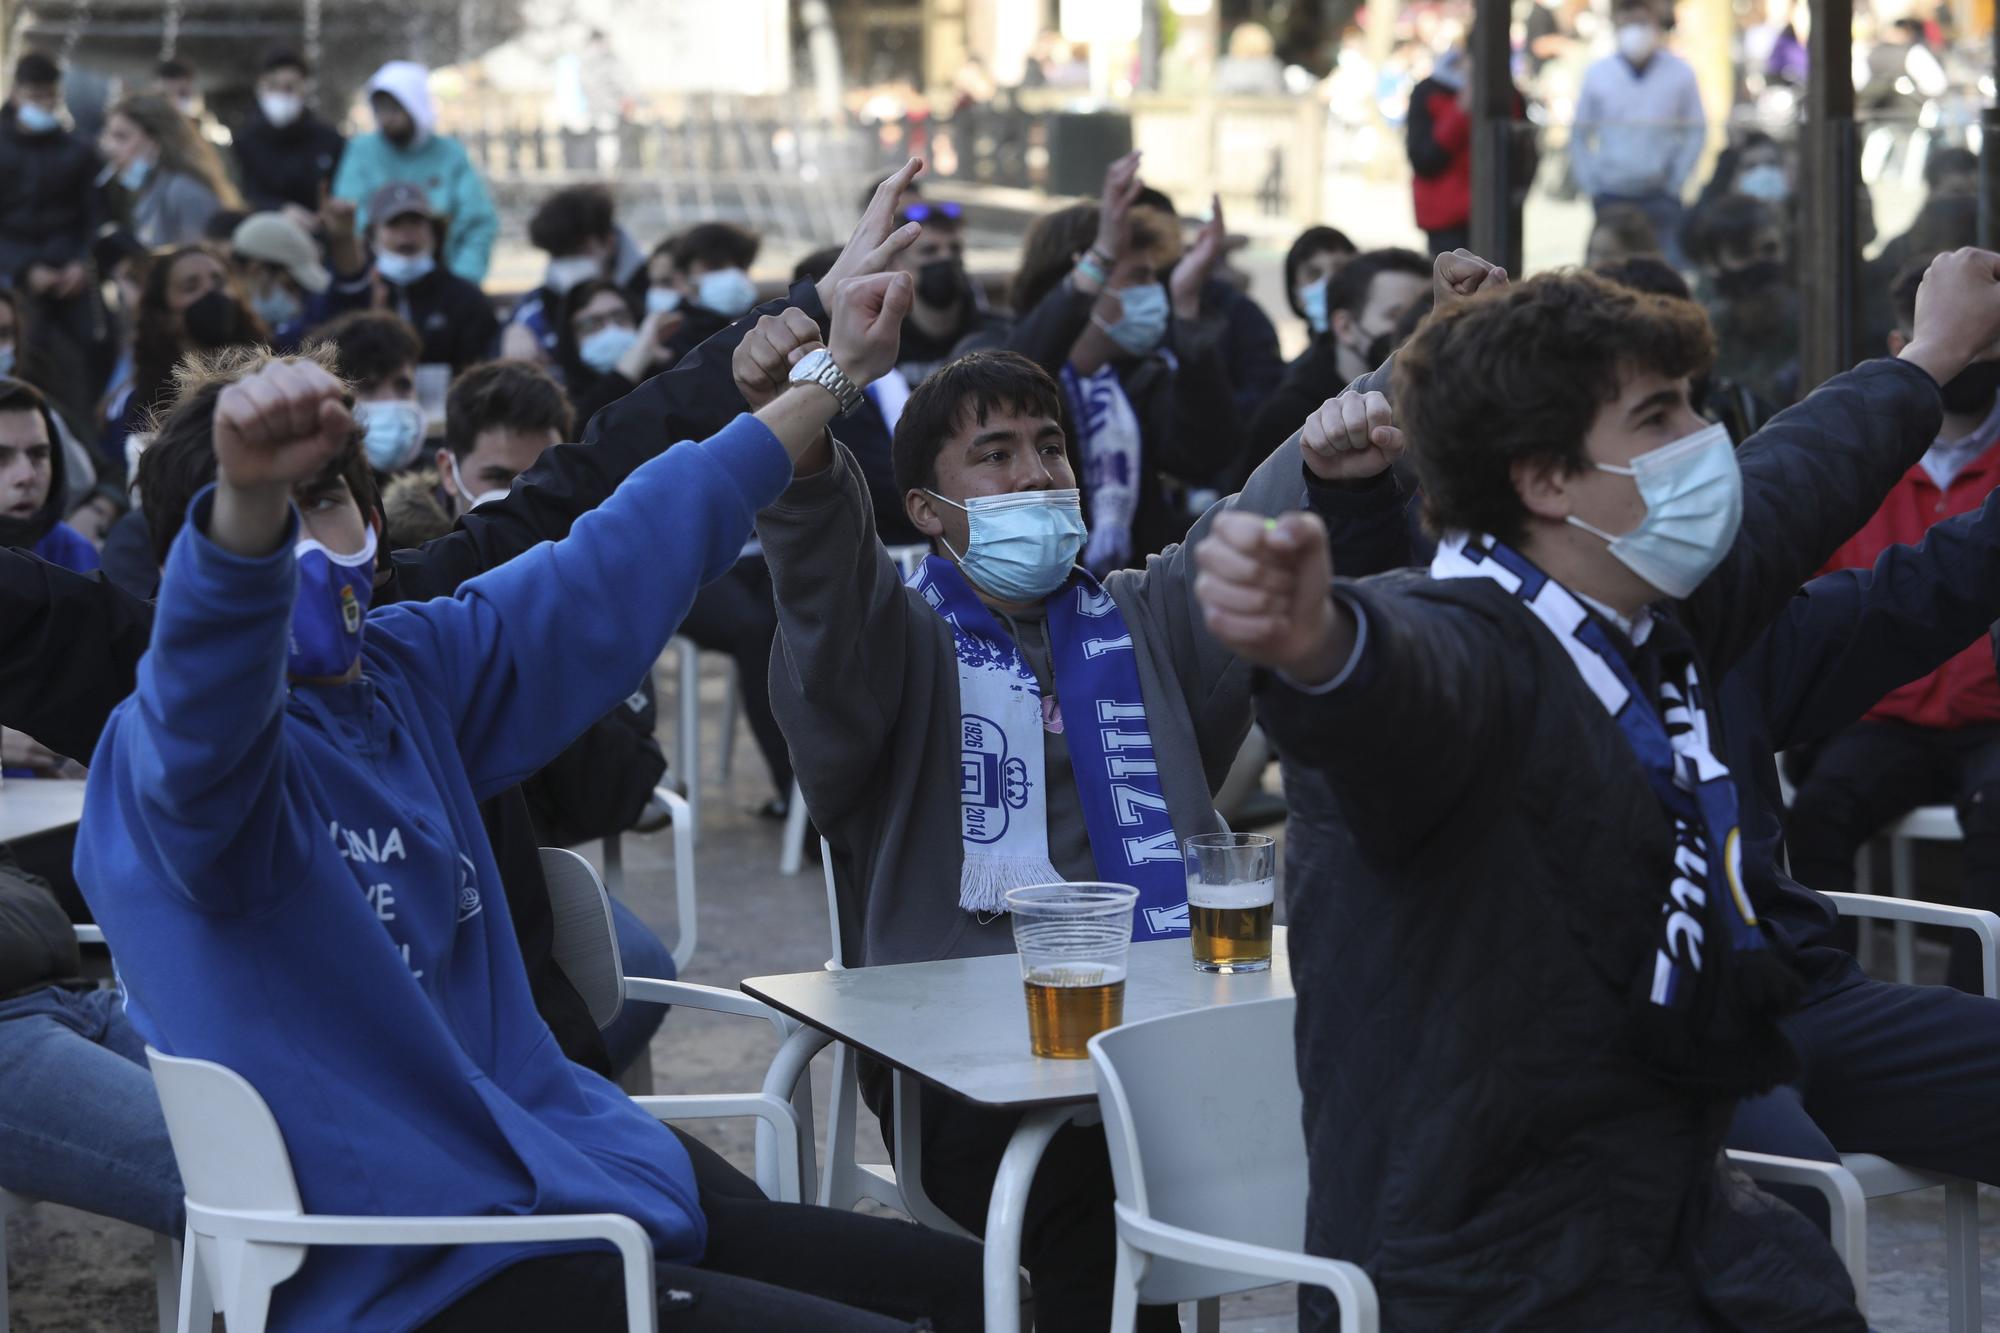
(1981, 923)
(775, 1112)
(88, 934)
(1845, 1202)
(1351, 1287)
(686, 915)
(712, 999)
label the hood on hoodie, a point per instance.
(25, 532)
(410, 84)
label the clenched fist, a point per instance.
(279, 426)
(764, 359)
(1958, 313)
(1351, 438)
(1265, 587)
(1460, 274)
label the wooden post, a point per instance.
(1829, 249)
(1496, 227)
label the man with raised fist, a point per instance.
(1532, 985)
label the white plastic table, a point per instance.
(962, 1026)
(30, 807)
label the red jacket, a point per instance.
(1964, 692)
(1440, 147)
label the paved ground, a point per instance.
(71, 1273)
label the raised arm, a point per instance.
(1046, 333)
(1813, 476)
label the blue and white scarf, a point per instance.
(1707, 928)
(1003, 786)
(1109, 431)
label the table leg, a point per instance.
(1008, 1210)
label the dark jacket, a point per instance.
(49, 206)
(37, 946)
(452, 316)
(289, 165)
(1473, 882)
(1312, 378)
(599, 785)
(1250, 352)
(1185, 405)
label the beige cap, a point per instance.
(274, 238)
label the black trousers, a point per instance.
(1450, 239)
(737, 615)
(769, 1266)
(1876, 772)
(1069, 1240)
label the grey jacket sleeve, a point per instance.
(186, 205)
(839, 661)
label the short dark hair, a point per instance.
(970, 388)
(569, 218)
(1152, 198)
(370, 345)
(1645, 273)
(817, 264)
(1730, 223)
(36, 70)
(1311, 241)
(716, 245)
(1053, 242)
(283, 57)
(518, 395)
(1948, 162)
(1349, 289)
(1519, 375)
(173, 68)
(181, 459)
(222, 224)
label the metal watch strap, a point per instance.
(834, 380)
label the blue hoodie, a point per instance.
(296, 884)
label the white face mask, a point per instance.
(281, 109)
(1638, 41)
(1693, 491)
(464, 505)
(727, 291)
(662, 300)
(565, 274)
(392, 431)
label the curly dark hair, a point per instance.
(370, 345)
(571, 218)
(1519, 375)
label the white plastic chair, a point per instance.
(247, 1229)
(687, 727)
(166, 1250)
(1202, 1116)
(585, 947)
(1930, 823)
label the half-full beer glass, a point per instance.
(1073, 940)
(1232, 885)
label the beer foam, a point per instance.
(1256, 893)
(1067, 976)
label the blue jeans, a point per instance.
(643, 954)
(80, 1123)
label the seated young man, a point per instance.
(376, 353)
(871, 683)
(1936, 739)
(286, 809)
(1523, 1131)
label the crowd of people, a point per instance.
(291, 508)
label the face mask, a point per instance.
(662, 300)
(1971, 390)
(392, 431)
(1766, 182)
(727, 291)
(941, 283)
(565, 274)
(34, 118)
(188, 106)
(401, 136)
(402, 270)
(281, 109)
(1144, 324)
(213, 321)
(1379, 349)
(1312, 300)
(7, 360)
(134, 175)
(1739, 284)
(1637, 42)
(602, 349)
(334, 592)
(1020, 547)
(458, 479)
(277, 307)
(1694, 502)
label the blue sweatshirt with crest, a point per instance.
(294, 880)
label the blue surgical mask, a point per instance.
(1144, 324)
(402, 270)
(133, 176)
(332, 603)
(662, 300)
(277, 307)
(7, 359)
(34, 118)
(1766, 181)
(727, 291)
(1693, 491)
(392, 431)
(1020, 547)
(601, 350)
(1312, 300)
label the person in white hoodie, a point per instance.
(406, 146)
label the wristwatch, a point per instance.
(817, 367)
